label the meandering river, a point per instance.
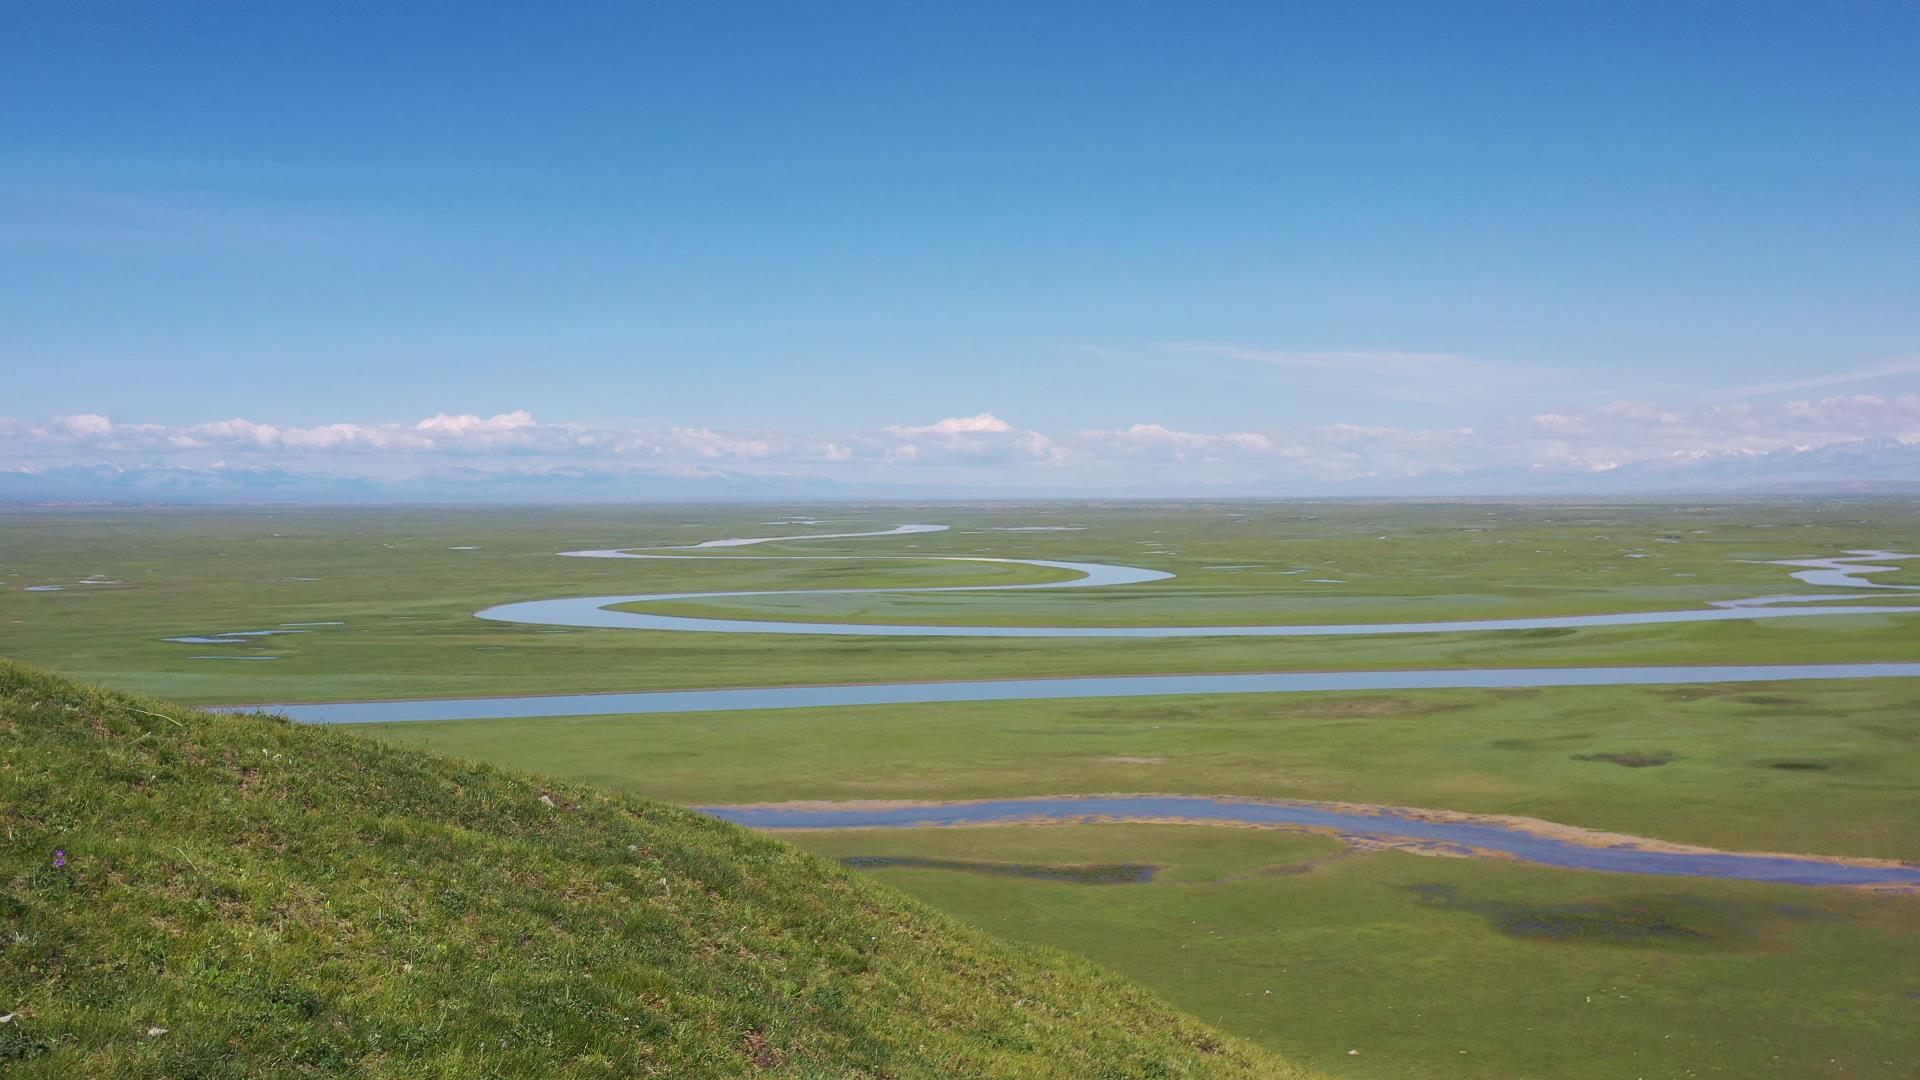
(596, 611)
(1846, 570)
(1553, 846)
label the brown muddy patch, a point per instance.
(1799, 766)
(1631, 760)
(1123, 759)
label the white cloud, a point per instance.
(957, 425)
(86, 426)
(468, 424)
(983, 450)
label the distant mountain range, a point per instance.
(1869, 466)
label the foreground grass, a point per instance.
(1458, 968)
(238, 897)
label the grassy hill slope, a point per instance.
(241, 897)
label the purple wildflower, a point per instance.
(59, 858)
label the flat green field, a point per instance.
(1426, 966)
(1796, 767)
(405, 584)
(1453, 967)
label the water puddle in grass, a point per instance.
(1093, 874)
(1542, 843)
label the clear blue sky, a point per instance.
(837, 217)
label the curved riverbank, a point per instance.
(1419, 830)
(596, 612)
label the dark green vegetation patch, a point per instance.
(1629, 759)
(1635, 921)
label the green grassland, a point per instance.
(1435, 967)
(406, 596)
(238, 897)
(1408, 959)
(1803, 767)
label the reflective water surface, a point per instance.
(1478, 836)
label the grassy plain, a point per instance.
(1806, 767)
(1436, 967)
(405, 584)
(1407, 959)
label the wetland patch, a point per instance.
(1425, 832)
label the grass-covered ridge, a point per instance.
(241, 897)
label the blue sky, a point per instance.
(812, 231)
